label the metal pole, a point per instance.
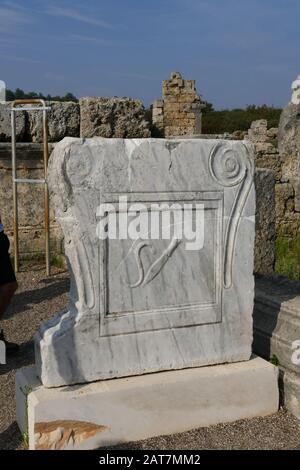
(15, 192)
(24, 180)
(46, 193)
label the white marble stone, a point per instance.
(128, 409)
(2, 92)
(137, 309)
(296, 91)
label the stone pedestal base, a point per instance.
(115, 411)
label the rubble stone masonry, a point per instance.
(179, 112)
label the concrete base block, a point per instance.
(115, 411)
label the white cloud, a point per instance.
(15, 58)
(92, 40)
(75, 15)
(11, 19)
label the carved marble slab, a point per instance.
(145, 305)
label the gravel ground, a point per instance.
(37, 299)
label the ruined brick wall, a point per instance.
(179, 112)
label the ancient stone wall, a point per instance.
(31, 200)
(101, 117)
(179, 112)
(264, 250)
(113, 117)
(31, 207)
(289, 148)
(277, 151)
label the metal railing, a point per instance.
(15, 108)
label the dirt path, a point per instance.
(37, 299)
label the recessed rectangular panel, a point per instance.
(163, 283)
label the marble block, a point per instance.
(111, 412)
(146, 305)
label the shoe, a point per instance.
(10, 347)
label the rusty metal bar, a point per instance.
(46, 191)
(15, 192)
(29, 181)
(14, 109)
(29, 108)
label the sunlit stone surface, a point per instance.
(140, 306)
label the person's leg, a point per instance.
(6, 293)
(8, 286)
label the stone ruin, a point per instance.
(171, 327)
(91, 117)
(146, 308)
(296, 91)
(179, 112)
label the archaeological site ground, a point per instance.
(149, 255)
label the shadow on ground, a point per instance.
(24, 300)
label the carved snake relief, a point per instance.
(156, 266)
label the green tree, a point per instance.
(19, 94)
(230, 120)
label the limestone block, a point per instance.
(138, 307)
(171, 107)
(291, 392)
(270, 161)
(31, 198)
(158, 104)
(169, 98)
(265, 147)
(117, 411)
(157, 113)
(258, 131)
(264, 256)
(284, 200)
(173, 131)
(186, 98)
(63, 121)
(272, 133)
(296, 186)
(190, 84)
(113, 117)
(158, 120)
(289, 131)
(175, 75)
(5, 124)
(173, 90)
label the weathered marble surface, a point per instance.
(198, 309)
(277, 319)
(277, 333)
(112, 412)
(296, 91)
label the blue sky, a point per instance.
(239, 51)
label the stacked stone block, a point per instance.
(113, 117)
(273, 152)
(91, 117)
(179, 113)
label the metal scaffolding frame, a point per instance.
(15, 108)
